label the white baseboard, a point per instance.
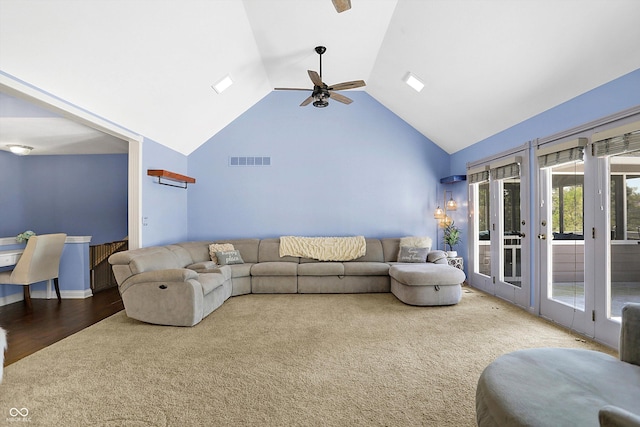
(10, 299)
(63, 294)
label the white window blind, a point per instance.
(570, 155)
(477, 176)
(627, 143)
(559, 154)
(508, 171)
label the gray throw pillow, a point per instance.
(411, 254)
(229, 257)
(437, 257)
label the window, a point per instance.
(625, 206)
(567, 209)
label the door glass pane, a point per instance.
(512, 240)
(624, 250)
(484, 235)
(567, 245)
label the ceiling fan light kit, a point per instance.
(321, 92)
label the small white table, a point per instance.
(10, 257)
(457, 262)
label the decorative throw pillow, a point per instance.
(411, 254)
(218, 247)
(415, 242)
(437, 257)
(229, 257)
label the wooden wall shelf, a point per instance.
(163, 174)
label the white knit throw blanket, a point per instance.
(323, 248)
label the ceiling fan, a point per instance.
(321, 92)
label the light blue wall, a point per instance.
(78, 195)
(12, 214)
(164, 208)
(342, 170)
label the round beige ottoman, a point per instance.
(426, 283)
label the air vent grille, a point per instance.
(249, 161)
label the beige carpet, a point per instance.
(279, 360)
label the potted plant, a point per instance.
(24, 237)
(452, 237)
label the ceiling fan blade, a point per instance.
(340, 98)
(291, 88)
(342, 5)
(315, 78)
(307, 101)
(348, 85)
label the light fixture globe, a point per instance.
(19, 150)
(451, 204)
(439, 213)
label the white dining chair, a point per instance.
(40, 261)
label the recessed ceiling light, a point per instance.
(20, 150)
(413, 81)
(223, 84)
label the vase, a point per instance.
(452, 254)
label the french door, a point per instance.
(617, 153)
(499, 195)
(588, 230)
(561, 236)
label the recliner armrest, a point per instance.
(168, 275)
(630, 334)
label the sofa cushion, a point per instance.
(366, 269)
(202, 267)
(152, 259)
(390, 248)
(183, 256)
(210, 281)
(240, 270)
(198, 251)
(269, 251)
(426, 274)
(321, 269)
(229, 257)
(276, 268)
(374, 252)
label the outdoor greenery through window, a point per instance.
(625, 207)
(567, 209)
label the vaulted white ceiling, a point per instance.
(486, 64)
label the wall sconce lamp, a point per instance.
(20, 150)
(440, 214)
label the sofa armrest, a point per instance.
(437, 257)
(168, 275)
(630, 334)
(612, 416)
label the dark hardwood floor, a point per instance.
(49, 321)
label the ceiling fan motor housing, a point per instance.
(321, 92)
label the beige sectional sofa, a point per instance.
(179, 285)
